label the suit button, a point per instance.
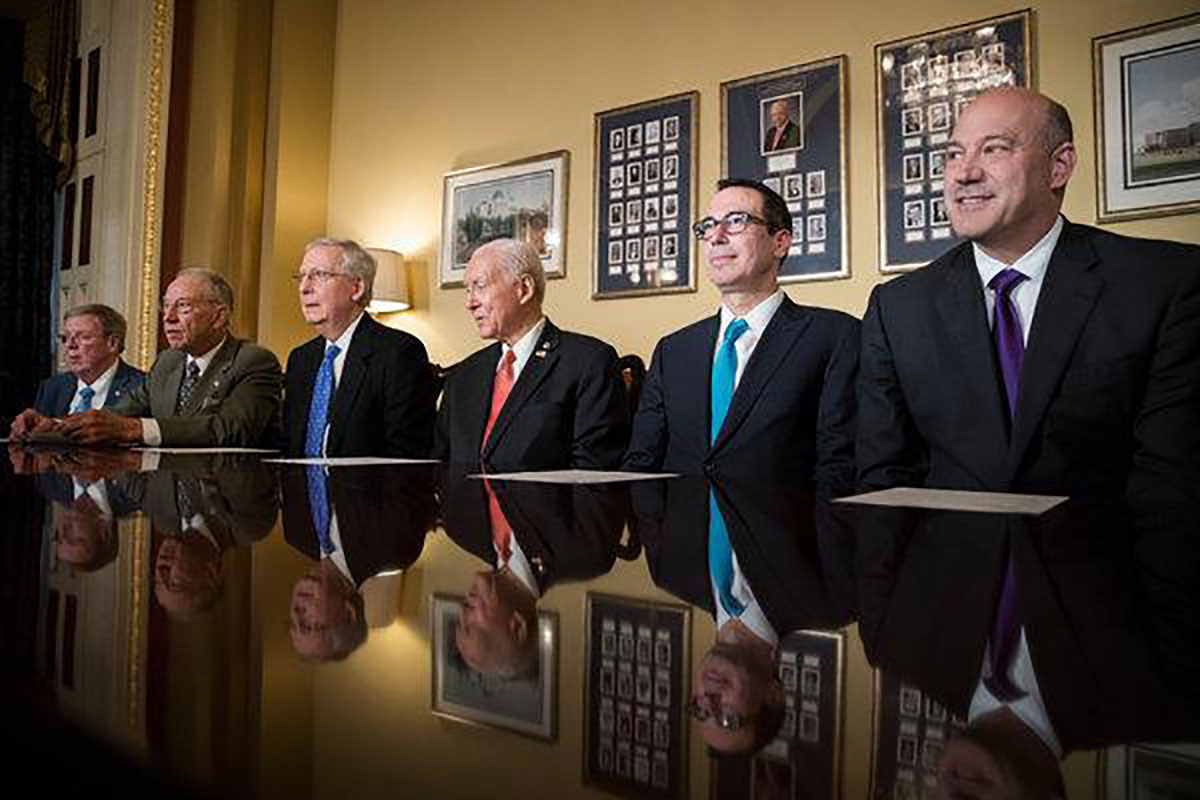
(709, 469)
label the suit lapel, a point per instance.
(1066, 301)
(354, 370)
(540, 364)
(306, 367)
(477, 399)
(706, 341)
(777, 341)
(165, 393)
(961, 306)
(120, 385)
(213, 378)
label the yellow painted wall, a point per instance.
(425, 87)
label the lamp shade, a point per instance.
(391, 282)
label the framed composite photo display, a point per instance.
(911, 730)
(524, 200)
(527, 705)
(922, 84)
(645, 198)
(788, 129)
(1147, 84)
(635, 740)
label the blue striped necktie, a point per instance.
(84, 403)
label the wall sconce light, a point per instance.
(391, 282)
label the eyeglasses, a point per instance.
(78, 338)
(318, 276)
(734, 222)
(725, 720)
(181, 308)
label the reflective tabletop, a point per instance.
(217, 625)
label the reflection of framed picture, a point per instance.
(923, 82)
(783, 128)
(526, 705)
(1147, 122)
(658, 163)
(524, 200)
(1149, 770)
(906, 749)
(635, 741)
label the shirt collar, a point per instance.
(1032, 264)
(101, 384)
(757, 318)
(343, 341)
(206, 359)
(523, 347)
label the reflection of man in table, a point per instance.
(783, 134)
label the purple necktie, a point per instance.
(1010, 343)
(1010, 350)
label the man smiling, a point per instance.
(1039, 356)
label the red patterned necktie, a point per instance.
(500, 392)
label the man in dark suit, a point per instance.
(540, 398)
(208, 390)
(783, 133)
(93, 338)
(376, 395)
(779, 375)
(1098, 392)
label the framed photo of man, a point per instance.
(788, 129)
(524, 200)
(922, 84)
(653, 177)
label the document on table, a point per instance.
(575, 476)
(950, 500)
(350, 461)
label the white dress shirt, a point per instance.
(1030, 709)
(1033, 265)
(757, 319)
(522, 349)
(151, 433)
(752, 616)
(100, 387)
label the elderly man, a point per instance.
(783, 133)
(209, 390)
(359, 388)
(93, 339)
(781, 399)
(540, 398)
(1039, 356)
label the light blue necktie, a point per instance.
(318, 504)
(720, 554)
(84, 403)
(318, 409)
(724, 370)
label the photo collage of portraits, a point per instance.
(913, 731)
(635, 696)
(642, 224)
(804, 193)
(934, 91)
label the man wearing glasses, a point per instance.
(209, 389)
(779, 376)
(93, 338)
(359, 388)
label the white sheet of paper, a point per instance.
(575, 476)
(950, 500)
(350, 461)
(202, 450)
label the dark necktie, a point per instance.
(191, 377)
(318, 408)
(1006, 330)
(84, 403)
(500, 391)
(1005, 636)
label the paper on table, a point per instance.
(575, 476)
(350, 461)
(948, 500)
(202, 450)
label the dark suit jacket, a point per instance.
(54, 394)
(384, 403)
(792, 415)
(383, 515)
(235, 403)
(1110, 390)
(791, 137)
(567, 532)
(566, 410)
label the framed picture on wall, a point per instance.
(645, 165)
(910, 731)
(1148, 120)
(788, 129)
(524, 200)
(527, 705)
(922, 84)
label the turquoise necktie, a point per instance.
(318, 409)
(84, 403)
(724, 370)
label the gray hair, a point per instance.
(517, 259)
(1056, 129)
(356, 261)
(221, 293)
(111, 321)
